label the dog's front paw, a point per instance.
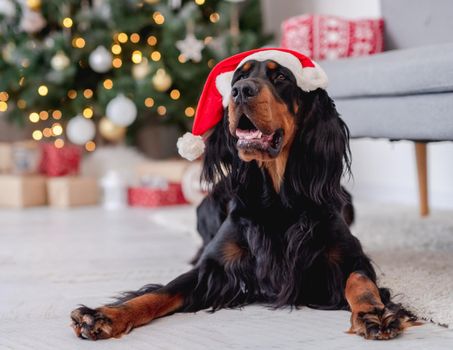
(94, 324)
(382, 323)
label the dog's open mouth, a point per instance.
(251, 138)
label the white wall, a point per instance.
(383, 171)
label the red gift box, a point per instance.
(328, 37)
(156, 197)
(60, 161)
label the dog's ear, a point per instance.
(219, 153)
(320, 152)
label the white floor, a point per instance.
(50, 261)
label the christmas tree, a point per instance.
(68, 65)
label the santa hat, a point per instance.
(217, 90)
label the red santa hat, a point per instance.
(217, 90)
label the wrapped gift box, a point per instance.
(26, 156)
(171, 194)
(60, 161)
(19, 191)
(6, 160)
(72, 191)
(171, 170)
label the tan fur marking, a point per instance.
(271, 65)
(232, 252)
(246, 67)
(140, 311)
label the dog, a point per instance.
(275, 224)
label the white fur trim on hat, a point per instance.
(190, 146)
(223, 84)
(307, 78)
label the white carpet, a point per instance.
(52, 260)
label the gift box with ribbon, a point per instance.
(155, 191)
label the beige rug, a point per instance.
(413, 256)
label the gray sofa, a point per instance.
(405, 93)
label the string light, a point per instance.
(43, 115)
(4, 96)
(34, 117)
(152, 40)
(117, 63)
(90, 146)
(72, 94)
(47, 132)
(43, 90)
(67, 22)
(156, 56)
(21, 81)
(137, 56)
(135, 38)
(3, 106)
(57, 129)
(158, 18)
(214, 17)
(161, 110)
(108, 84)
(88, 112)
(149, 102)
(199, 2)
(182, 58)
(37, 135)
(122, 38)
(78, 42)
(59, 143)
(88, 93)
(116, 49)
(175, 94)
(21, 104)
(189, 112)
(56, 114)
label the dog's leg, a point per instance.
(371, 318)
(118, 319)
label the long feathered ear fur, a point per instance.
(320, 153)
(219, 154)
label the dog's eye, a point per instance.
(280, 77)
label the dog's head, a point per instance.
(262, 111)
(284, 122)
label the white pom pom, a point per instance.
(190, 146)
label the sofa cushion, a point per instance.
(427, 69)
(414, 117)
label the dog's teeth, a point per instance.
(258, 136)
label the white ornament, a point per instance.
(191, 47)
(80, 130)
(121, 110)
(7, 8)
(100, 60)
(141, 70)
(31, 21)
(190, 146)
(60, 61)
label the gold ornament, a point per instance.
(34, 5)
(151, 2)
(161, 80)
(111, 131)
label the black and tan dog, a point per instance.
(275, 224)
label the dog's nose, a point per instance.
(244, 90)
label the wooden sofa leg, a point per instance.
(422, 171)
